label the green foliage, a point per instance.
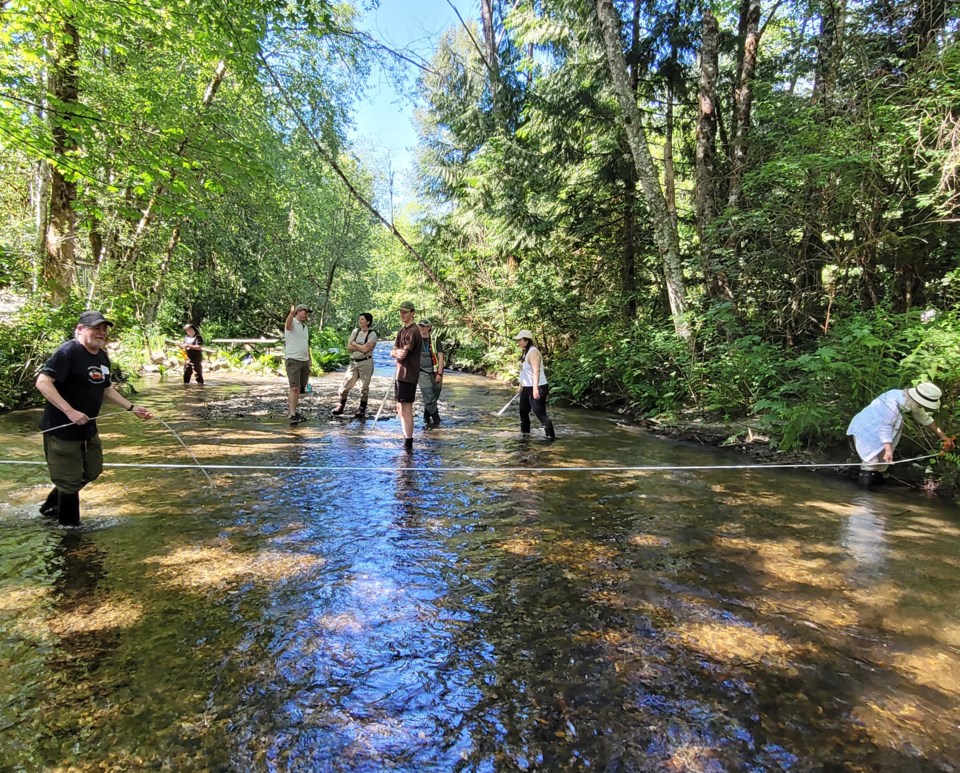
(34, 332)
(798, 397)
(26, 341)
(326, 350)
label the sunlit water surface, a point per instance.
(417, 619)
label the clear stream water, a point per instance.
(440, 620)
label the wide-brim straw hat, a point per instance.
(926, 394)
(523, 334)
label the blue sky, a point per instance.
(385, 119)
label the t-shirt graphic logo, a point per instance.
(98, 374)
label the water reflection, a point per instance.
(864, 533)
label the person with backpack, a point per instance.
(361, 343)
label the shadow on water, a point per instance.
(394, 613)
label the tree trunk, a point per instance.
(331, 273)
(811, 252)
(669, 169)
(339, 250)
(153, 299)
(491, 54)
(665, 232)
(705, 172)
(39, 190)
(743, 101)
(628, 276)
(60, 240)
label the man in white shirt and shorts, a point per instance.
(296, 352)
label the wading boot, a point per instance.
(408, 444)
(361, 411)
(69, 509)
(51, 506)
(549, 430)
(339, 409)
(865, 479)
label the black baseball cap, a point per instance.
(93, 318)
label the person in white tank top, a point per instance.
(533, 386)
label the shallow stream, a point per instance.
(422, 618)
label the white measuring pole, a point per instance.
(500, 412)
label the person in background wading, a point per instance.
(533, 386)
(406, 350)
(193, 346)
(74, 382)
(296, 352)
(876, 430)
(361, 344)
(431, 373)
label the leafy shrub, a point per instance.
(27, 340)
(327, 349)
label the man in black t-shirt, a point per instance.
(74, 382)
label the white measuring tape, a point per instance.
(351, 468)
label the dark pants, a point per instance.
(73, 463)
(539, 407)
(194, 365)
(430, 392)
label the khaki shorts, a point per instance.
(73, 463)
(298, 373)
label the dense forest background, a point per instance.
(743, 210)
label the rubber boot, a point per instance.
(865, 480)
(408, 444)
(69, 510)
(361, 411)
(51, 505)
(339, 409)
(549, 430)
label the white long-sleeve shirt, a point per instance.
(882, 422)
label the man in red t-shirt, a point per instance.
(406, 350)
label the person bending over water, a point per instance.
(876, 430)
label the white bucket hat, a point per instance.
(523, 334)
(926, 394)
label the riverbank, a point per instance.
(743, 437)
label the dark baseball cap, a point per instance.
(93, 318)
(425, 323)
(407, 306)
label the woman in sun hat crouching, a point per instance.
(876, 430)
